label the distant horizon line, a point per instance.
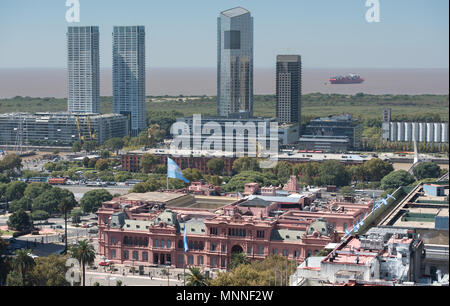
(261, 67)
(255, 94)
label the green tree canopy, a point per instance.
(23, 263)
(357, 172)
(196, 278)
(375, 169)
(245, 164)
(427, 170)
(347, 191)
(396, 179)
(307, 172)
(114, 144)
(15, 190)
(101, 164)
(238, 181)
(49, 271)
(3, 187)
(4, 179)
(92, 200)
(11, 162)
(192, 174)
(333, 172)
(149, 185)
(122, 176)
(34, 190)
(238, 259)
(40, 215)
(283, 171)
(23, 203)
(214, 179)
(148, 161)
(90, 145)
(258, 273)
(76, 147)
(216, 165)
(19, 221)
(86, 162)
(50, 199)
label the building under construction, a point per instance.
(60, 129)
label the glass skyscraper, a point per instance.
(83, 70)
(235, 63)
(129, 75)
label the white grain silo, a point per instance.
(444, 128)
(422, 132)
(415, 131)
(430, 132)
(437, 132)
(401, 131)
(394, 131)
(408, 132)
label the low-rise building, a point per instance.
(202, 188)
(341, 126)
(60, 129)
(384, 256)
(148, 229)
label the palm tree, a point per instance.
(238, 259)
(65, 206)
(84, 252)
(196, 277)
(23, 263)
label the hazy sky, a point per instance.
(183, 33)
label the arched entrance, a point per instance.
(237, 249)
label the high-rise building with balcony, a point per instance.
(129, 75)
(83, 70)
(289, 88)
(235, 63)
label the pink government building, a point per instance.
(148, 229)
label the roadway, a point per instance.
(110, 279)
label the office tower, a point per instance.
(235, 63)
(83, 70)
(129, 75)
(289, 88)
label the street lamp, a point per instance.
(168, 273)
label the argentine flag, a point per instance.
(173, 171)
(185, 239)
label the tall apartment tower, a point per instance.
(235, 63)
(129, 75)
(83, 70)
(289, 89)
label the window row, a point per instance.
(139, 241)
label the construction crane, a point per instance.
(92, 135)
(80, 136)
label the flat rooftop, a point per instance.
(180, 200)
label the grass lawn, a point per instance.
(6, 233)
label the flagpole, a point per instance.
(167, 179)
(184, 270)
